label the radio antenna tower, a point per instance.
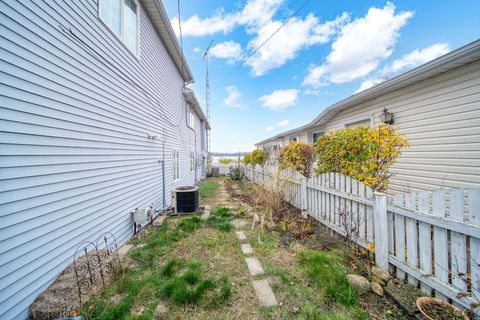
(207, 95)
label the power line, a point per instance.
(271, 36)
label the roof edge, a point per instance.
(169, 39)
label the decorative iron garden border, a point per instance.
(95, 263)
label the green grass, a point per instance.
(177, 281)
(220, 219)
(161, 239)
(150, 281)
(208, 189)
(326, 272)
(187, 285)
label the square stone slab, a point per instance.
(239, 223)
(241, 235)
(158, 222)
(206, 214)
(246, 248)
(264, 293)
(254, 266)
(124, 249)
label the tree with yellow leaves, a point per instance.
(365, 154)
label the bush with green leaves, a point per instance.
(247, 159)
(258, 157)
(365, 154)
(225, 161)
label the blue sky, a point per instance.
(328, 51)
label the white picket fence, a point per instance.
(431, 239)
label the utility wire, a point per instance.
(271, 36)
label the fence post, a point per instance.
(303, 197)
(380, 221)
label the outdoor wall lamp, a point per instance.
(386, 117)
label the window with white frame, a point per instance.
(192, 160)
(122, 17)
(317, 135)
(176, 164)
(191, 119)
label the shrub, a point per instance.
(258, 156)
(247, 159)
(225, 161)
(365, 154)
(299, 156)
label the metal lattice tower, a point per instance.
(207, 94)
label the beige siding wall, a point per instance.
(441, 119)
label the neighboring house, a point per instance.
(93, 107)
(436, 106)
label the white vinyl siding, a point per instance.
(75, 157)
(365, 123)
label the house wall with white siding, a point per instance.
(440, 117)
(75, 157)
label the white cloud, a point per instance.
(417, 57)
(254, 15)
(408, 61)
(366, 84)
(296, 35)
(227, 50)
(196, 50)
(257, 19)
(360, 47)
(197, 27)
(279, 99)
(258, 13)
(311, 92)
(270, 128)
(283, 123)
(232, 100)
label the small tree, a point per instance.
(258, 156)
(299, 156)
(271, 150)
(247, 159)
(365, 154)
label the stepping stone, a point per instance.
(246, 248)
(241, 235)
(239, 223)
(206, 213)
(124, 249)
(158, 222)
(404, 295)
(264, 293)
(254, 266)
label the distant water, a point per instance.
(216, 159)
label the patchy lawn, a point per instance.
(194, 269)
